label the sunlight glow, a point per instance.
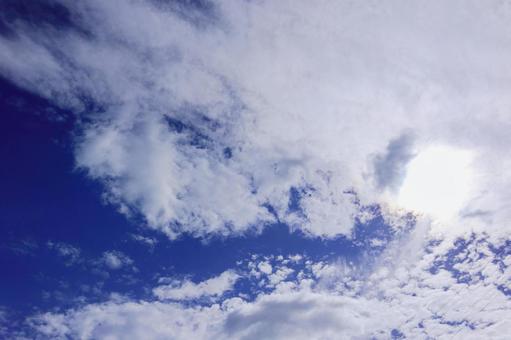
(438, 182)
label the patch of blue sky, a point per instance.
(469, 250)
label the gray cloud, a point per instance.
(390, 168)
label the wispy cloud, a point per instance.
(71, 254)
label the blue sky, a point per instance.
(248, 170)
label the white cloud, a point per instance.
(131, 320)
(151, 242)
(200, 125)
(116, 259)
(419, 297)
(280, 275)
(186, 290)
(265, 267)
(303, 95)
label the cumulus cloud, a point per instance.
(185, 290)
(446, 290)
(116, 259)
(265, 267)
(139, 320)
(200, 122)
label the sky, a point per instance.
(253, 169)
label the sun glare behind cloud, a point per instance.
(438, 182)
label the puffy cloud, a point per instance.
(265, 267)
(186, 290)
(116, 259)
(130, 320)
(447, 290)
(200, 130)
(280, 275)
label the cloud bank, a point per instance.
(198, 119)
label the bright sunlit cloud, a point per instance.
(438, 182)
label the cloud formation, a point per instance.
(185, 290)
(71, 254)
(442, 290)
(116, 259)
(200, 124)
(223, 118)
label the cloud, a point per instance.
(390, 168)
(150, 242)
(23, 247)
(187, 290)
(139, 320)
(265, 267)
(116, 259)
(222, 119)
(446, 289)
(71, 254)
(201, 130)
(307, 315)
